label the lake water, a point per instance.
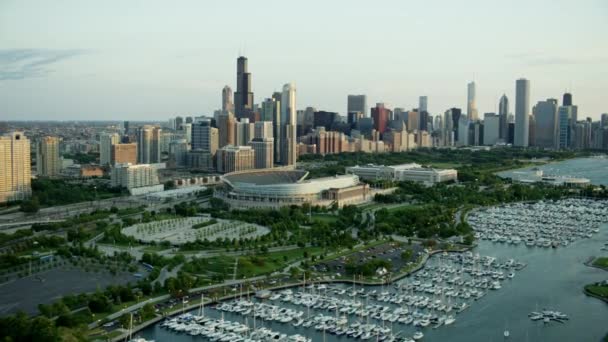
(553, 278)
(595, 169)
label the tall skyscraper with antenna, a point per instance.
(243, 97)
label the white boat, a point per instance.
(418, 335)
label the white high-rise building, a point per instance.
(139, 179)
(15, 168)
(491, 128)
(471, 102)
(288, 125)
(106, 140)
(522, 112)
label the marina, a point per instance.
(541, 224)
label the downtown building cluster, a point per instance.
(244, 135)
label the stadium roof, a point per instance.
(267, 177)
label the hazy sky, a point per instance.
(156, 59)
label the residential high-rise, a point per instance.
(244, 131)
(225, 126)
(413, 120)
(48, 163)
(546, 123)
(567, 99)
(204, 136)
(471, 102)
(123, 153)
(106, 140)
(522, 112)
(263, 148)
(179, 121)
(15, 168)
(227, 104)
(491, 128)
(139, 179)
(357, 103)
(148, 144)
(380, 117)
(243, 97)
(455, 113)
(503, 114)
(563, 129)
(288, 136)
(235, 158)
(270, 108)
(263, 129)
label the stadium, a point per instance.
(274, 188)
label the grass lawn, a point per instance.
(601, 262)
(251, 266)
(327, 218)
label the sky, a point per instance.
(151, 60)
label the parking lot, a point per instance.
(46, 287)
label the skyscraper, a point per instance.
(148, 144)
(106, 140)
(48, 163)
(567, 100)
(263, 152)
(263, 129)
(455, 114)
(503, 114)
(243, 132)
(204, 136)
(604, 120)
(288, 125)
(491, 128)
(124, 153)
(235, 158)
(471, 102)
(243, 98)
(227, 104)
(357, 103)
(380, 117)
(522, 112)
(564, 115)
(546, 123)
(225, 126)
(15, 169)
(423, 102)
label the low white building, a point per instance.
(139, 179)
(404, 172)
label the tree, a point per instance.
(31, 206)
(148, 312)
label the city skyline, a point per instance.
(93, 74)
